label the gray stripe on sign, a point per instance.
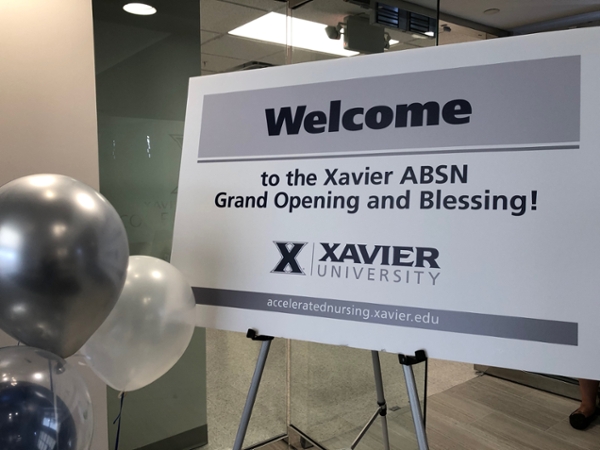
(521, 328)
(397, 153)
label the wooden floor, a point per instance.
(485, 413)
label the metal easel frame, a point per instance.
(381, 410)
(251, 398)
(413, 396)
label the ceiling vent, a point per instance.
(393, 17)
(390, 16)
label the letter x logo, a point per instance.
(289, 251)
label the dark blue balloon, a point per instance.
(32, 418)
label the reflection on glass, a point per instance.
(451, 33)
(367, 28)
(140, 9)
(148, 147)
(140, 178)
(279, 29)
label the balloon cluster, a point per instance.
(66, 278)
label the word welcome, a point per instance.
(454, 112)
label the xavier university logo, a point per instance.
(289, 252)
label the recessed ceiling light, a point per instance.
(491, 11)
(280, 29)
(140, 9)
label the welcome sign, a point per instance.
(442, 199)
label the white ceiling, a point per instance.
(222, 52)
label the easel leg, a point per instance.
(413, 396)
(381, 399)
(381, 411)
(251, 398)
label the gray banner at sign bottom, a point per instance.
(509, 327)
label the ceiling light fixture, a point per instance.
(279, 29)
(491, 11)
(139, 9)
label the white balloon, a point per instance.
(149, 328)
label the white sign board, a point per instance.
(444, 199)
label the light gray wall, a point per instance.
(48, 112)
(47, 90)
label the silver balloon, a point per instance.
(63, 261)
(44, 402)
(149, 328)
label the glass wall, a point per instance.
(314, 393)
(143, 64)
